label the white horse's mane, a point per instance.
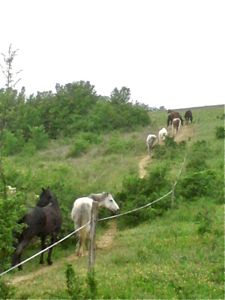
(98, 197)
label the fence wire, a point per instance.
(171, 192)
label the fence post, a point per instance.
(93, 222)
(173, 196)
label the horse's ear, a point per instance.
(106, 194)
(43, 189)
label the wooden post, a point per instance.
(93, 222)
(172, 197)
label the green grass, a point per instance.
(165, 258)
(176, 256)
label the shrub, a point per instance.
(73, 284)
(6, 291)
(38, 137)
(137, 192)
(92, 286)
(11, 143)
(83, 142)
(205, 222)
(170, 149)
(198, 184)
(220, 132)
(11, 210)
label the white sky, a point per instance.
(168, 52)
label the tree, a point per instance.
(7, 68)
(121, 96)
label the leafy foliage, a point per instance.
(74, 108)
(200, 179)
(6, 291)
(137, 192)
(220, 132)
(11, 210)
(73, 284)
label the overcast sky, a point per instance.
(168, 52)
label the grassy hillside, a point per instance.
(177, 254)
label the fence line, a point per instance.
(176, 181)
(73, 232)
(136, 209)
(44, 250)
(99, 220)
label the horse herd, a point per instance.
(45, 219)
(174, 120)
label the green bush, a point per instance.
(198, 184)
(6, 291)
(220, 132)
(80, 147)
(38, 137)
(204, 220)
(137, 192)
(11, 210)
(11, 143)
(73, 283)
(169, 150)
(83, 142)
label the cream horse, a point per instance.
(81, 215)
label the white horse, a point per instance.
(81, 214)
(176, 124)
(150, 141)
(162, 134)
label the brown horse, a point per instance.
(188, 116)
(172, 115)
(42, 221)
(176, 124)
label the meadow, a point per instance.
(162, 253)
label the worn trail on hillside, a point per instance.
(184, 134)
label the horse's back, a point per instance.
(35, 220)
(81, 211)
(53, 219)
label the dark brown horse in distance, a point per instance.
(188, 116)
(172, 115)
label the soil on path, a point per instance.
(184, 134)
(104, 242)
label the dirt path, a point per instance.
(185, 134)
(142, 165)
(104, 242)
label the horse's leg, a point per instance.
(82, 240)
(148, 148)
(53, 239)
(43, 246)
(78, 244)
(17, 254)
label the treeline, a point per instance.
(74, 107)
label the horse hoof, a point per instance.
(49, 263)
(41, 262)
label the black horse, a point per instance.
(43, 220)
(188, 116)
(172, 115)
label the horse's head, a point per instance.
(46, 197)
(109, 202)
